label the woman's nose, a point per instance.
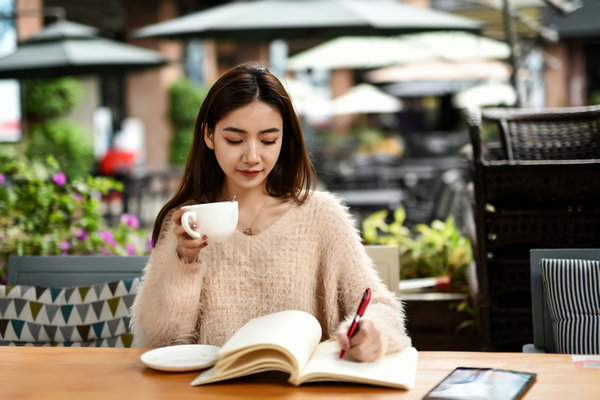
(251, 153)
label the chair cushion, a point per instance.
(572, 292)
(90, 316)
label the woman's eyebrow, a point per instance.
(270, 130)
(232, 129)
(238, 130)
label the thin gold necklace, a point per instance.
(248, 231)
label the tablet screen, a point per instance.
(482, 384)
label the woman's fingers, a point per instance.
(187, 247)
(366, 345)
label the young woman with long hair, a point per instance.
(294, 247)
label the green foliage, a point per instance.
(428, 251)
(46, 100)
(44, 213)
(594, 98)
(367, 136)
(185, 99)
(49, 98)
(180, 146)
(66, 141)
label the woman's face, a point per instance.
(247, 143)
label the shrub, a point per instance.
(42, 212)
(66, 141)
(45, 101)
(180, 146)
(185, 99)
(49, 98)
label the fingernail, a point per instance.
(204, 237)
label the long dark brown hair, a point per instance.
(293, 174)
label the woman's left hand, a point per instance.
(366, 345)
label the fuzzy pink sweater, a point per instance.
(311, 259)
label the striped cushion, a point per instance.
(572, 291)
(91, 316)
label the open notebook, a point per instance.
(288, 341)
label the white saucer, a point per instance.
(185, 357)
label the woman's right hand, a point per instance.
(187, 246)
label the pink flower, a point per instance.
(78, 197)
(108, 238)
(2, 179)
(82, 235)
(130, 249)
(105, 252)
(149, 243)
(131, 220)
(59, 178)
(64, 245)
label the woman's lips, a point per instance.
(249, 174)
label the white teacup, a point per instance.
(215, 220)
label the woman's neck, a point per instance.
(245, 196)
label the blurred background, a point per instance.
(110, 89)
(379, 85)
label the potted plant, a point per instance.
(440, 317)
(43, 212)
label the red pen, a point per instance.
(359, 313)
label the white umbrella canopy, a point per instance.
(291, 19)
(443, 71)
(67, 48)
(365, 99)
(358, 53)
(375, 52)
(486, 95)
(308, 100)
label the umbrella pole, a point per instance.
(511, 39)
(24, 125)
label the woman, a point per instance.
(293, 249)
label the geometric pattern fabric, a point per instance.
(81, 316)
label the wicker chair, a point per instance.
(541, 190)
(548, 134)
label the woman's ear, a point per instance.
(209, 138)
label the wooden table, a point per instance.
(109, 374)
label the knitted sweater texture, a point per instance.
(310, 259)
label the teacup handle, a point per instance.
(186, 218)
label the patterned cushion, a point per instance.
(90, 316)
(572, 290)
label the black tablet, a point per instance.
(482, 384)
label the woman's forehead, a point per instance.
(256, 112)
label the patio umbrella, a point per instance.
(375, 52)
(365, 99)
(443, 71)
(67, 48)
(485, 95)
(291, 19)
(309, 101)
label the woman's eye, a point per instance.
(230, 141)
(269, 142)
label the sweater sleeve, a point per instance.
(347, 258)
(166, 308)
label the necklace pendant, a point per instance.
(248, 231)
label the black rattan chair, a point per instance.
(541, 190)
(548, 134)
